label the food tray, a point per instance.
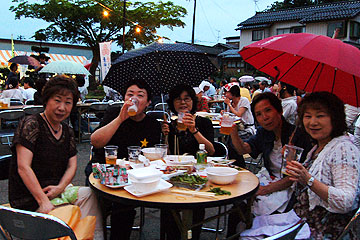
(193, 186)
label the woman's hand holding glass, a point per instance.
(165, 128)
(189, 122)
(297, 172)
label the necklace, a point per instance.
(55, 131)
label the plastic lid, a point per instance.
(202, 146)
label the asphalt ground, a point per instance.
(151, 228)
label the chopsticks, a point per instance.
(194, 193)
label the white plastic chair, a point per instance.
(32, 225)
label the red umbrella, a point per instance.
(25, 60)
(309, 62)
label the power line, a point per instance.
(207, 20)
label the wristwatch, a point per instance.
(310, 181)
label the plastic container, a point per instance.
(152, 153)
(145, 174)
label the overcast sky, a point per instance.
(215, 20)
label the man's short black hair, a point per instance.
(140, 84)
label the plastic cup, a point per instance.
(163, 148)
(290, 153)
(180, 125)
(134, 152)
(133, 109)
(226, 124)
(111, 154)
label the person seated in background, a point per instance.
(244, 92)
(255, 90)
(272, 134)
(120, 129)
(29, 89)
(13, 90)
(208, 89)
(39, 85)
(240, 106)
(198, 130)
(202, 105)
(220, 90)
(44, 158)
(264, 86)
(12, 74)
(288, 101)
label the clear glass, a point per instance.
(163, 148)
(227, 122)
(111, 154)
(133, 109)
(290, 153)
(180, 125)
(134, 152)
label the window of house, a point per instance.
(299, 29)
(257, 35)
(354, 29)
(282, 31)
(333, 26)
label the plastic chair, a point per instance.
(92, 100)
(158, 115)
(161, 106)
(32, 225)
(33, 110)
(288, 234)
(116, 104)
(352, 228)
(97, 109)
(220, 150)
(30, 102)
(16, 102)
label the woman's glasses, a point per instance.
(186, 99)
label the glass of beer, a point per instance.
(133, 109)
(290, 153)
(226, 124)
(111, 154)
(180, 125)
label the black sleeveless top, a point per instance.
(50, 158)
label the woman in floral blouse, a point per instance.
(328, 181)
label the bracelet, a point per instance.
(197, 130)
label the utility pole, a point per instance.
(124, 22)
(193, 27)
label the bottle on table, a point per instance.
(201, 155)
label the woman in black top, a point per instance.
(182, 98)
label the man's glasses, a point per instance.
(186, 99)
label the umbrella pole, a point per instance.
(165, 119)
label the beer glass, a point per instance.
(133, 109)
(290, 153)
(226, 123)
(180, 125)
(111, 154)
(134, 152)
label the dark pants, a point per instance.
(171, 229)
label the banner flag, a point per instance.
(105, 58)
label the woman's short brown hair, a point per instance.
(331, 104)
(60, 84)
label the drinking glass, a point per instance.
(163, 148)
(132, 110)
(226, 123)
(290, 153)
(180, 125)
(111, 154)
(134, 152)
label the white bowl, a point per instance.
(145, 174)
(221, 175)
(152, 153)
(145, 186)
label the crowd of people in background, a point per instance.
(322, 187)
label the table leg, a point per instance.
(187, 216)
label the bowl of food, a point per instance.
(221, 175)
(152, 153)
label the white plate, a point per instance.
(179, 159)
(163, 185)
(119, 186)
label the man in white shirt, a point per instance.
(288, 102)
(29, 90)
(207, 88)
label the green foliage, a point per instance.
(286, 4)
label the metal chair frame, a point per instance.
(159, 115)
(352, 227)
(30, 110)
(94, 108)
(159, 106)
(32, 225)
(288, 234)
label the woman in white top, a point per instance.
(240, 106)
(13, 90)
(328, 181)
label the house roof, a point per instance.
(231, 53)
(212, 50)
(325, 12)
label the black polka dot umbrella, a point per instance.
(161, 65)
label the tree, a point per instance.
(83, 22)
(286, 4)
